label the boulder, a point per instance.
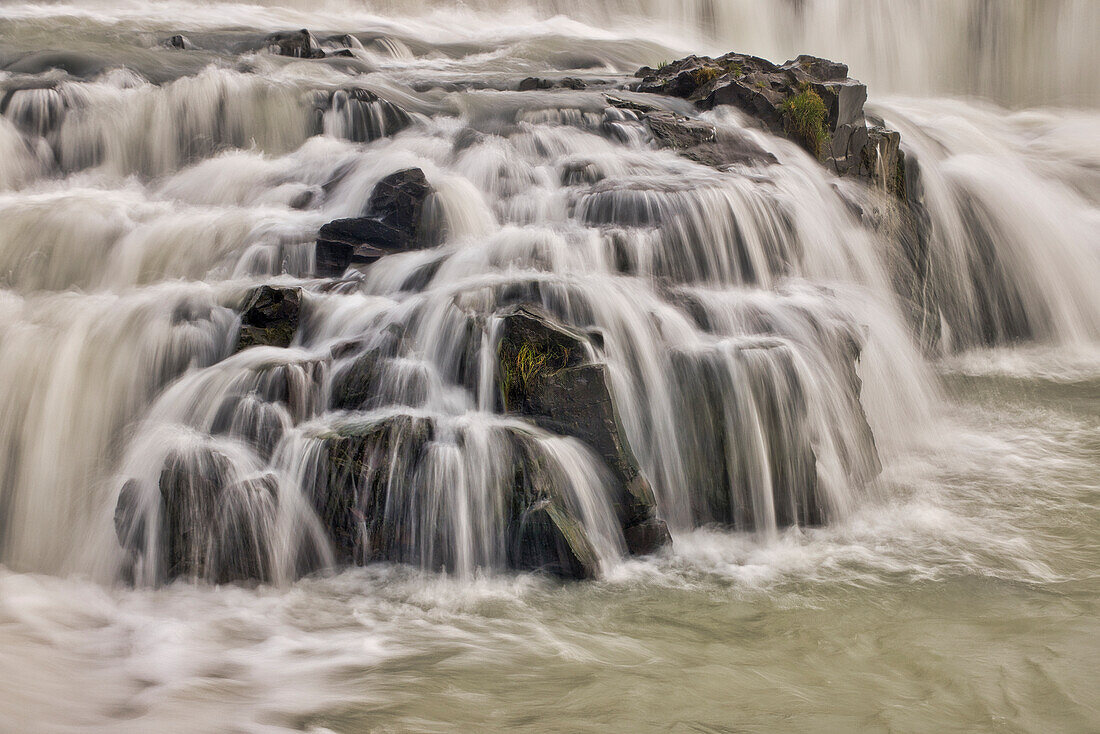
(393, 222)
(546, 373)
(270, 317)
(297, 44)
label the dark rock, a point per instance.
(629, 104)
(130, 517)
(398, 200)
(647, 536)
(548, 539)
(532, 83)
(545, 374)
(179, 42)
(297, 44)
(38, 109)
(270, 317)
(359, 468)
(393, 223)
(355, 383)
(572, 82)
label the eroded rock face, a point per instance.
(546, 374)
(393, 222)
(810, 100)
(270, 317)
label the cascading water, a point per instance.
(761, 336)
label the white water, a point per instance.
(130, 230)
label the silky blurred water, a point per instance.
(956, 593)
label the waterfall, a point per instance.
(762, 328)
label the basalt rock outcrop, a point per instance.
(810, 100)
(393, 221)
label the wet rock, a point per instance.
(704, 143)
(809, 100)
(394, 222)
(738, 436)
(180, 42)
(297, 44)
(360, 463)
(532, 83)
(547, 539)
(270, 317)
(572, 82)
(35, 106)
(546, 374)
(882, 161)
(355, 383)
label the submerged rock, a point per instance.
(212, 526)
(394, 222)
(270, 317)
(546, 373)
(361, 116)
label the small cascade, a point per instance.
(278, 302)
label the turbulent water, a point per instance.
(145, 190)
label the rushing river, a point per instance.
(144, 190)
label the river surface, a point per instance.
(957, 592)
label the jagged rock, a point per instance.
(810, 100)
(179, 42)
(393, 223)
(703, 142)
(297, 44)
(270, 317)
(882, 161)
(572, 82)
(546, 374)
